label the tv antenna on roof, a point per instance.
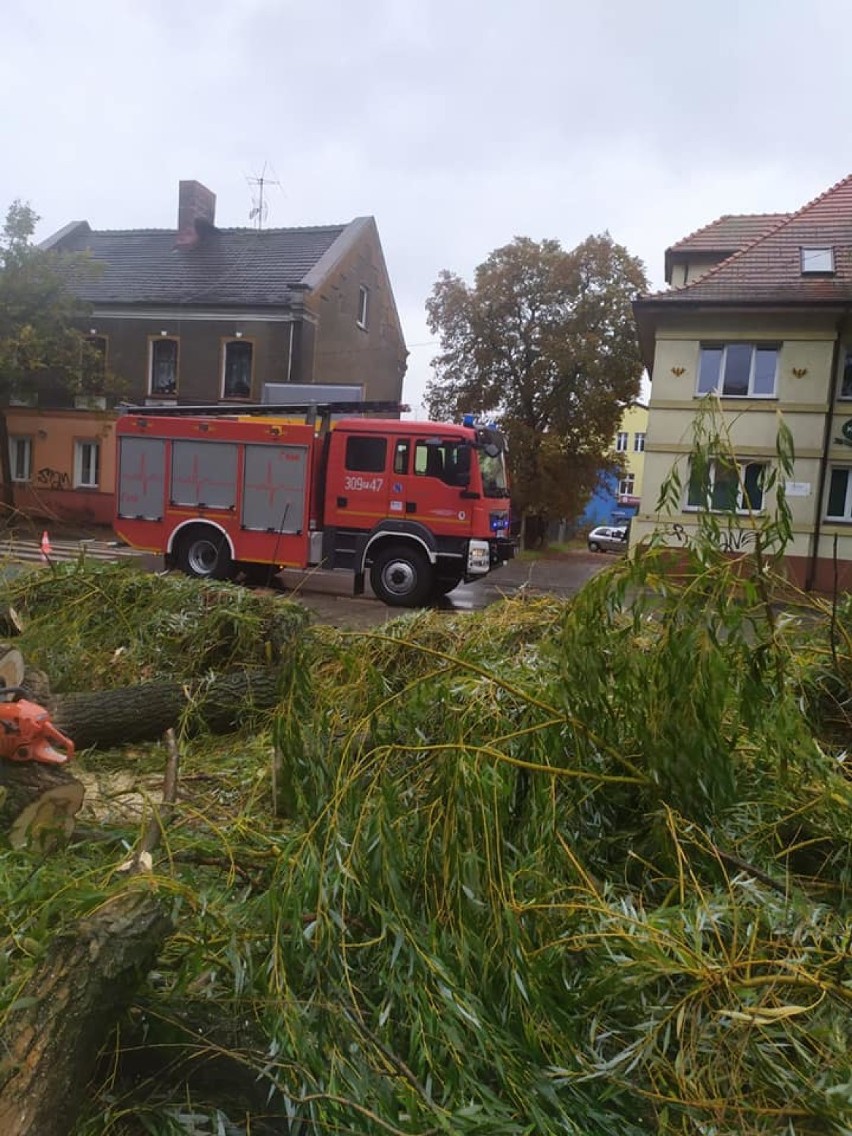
(260, 208)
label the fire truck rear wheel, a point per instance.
(203, 552)
(401, 576)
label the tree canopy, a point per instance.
(38, 317)
(543, 341)
(37, 308)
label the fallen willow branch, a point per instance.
(153, 834)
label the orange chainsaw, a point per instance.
(26, 731)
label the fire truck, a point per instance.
(418, 506)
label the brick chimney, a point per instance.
(196, 212)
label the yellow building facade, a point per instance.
(629, 446)
(762, 336)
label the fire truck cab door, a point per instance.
(358, 482)
(430, 476)
(373, 477)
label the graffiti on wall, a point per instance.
(730, 540)
(48, 478)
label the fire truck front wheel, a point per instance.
(401, 575)
(203, 552)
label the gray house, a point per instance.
(203, 314)
(200, 314)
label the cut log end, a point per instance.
(38, 804)
(49, 820)
(11, 622)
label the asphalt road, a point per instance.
(331, 600)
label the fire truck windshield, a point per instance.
(494, 480)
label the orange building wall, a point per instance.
(51, 492)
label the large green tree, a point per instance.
(544, 342)
(38, 317)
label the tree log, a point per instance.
(38, 803)
(144, 712)
(53, 1034)
(10, 621)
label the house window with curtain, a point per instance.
(627, 485)
(639, 443)
(237, 361)
(163, 377)
(724, 487)
(21, 458)
(839, 504)
(621, 442)
(738, 370)
(87, 455)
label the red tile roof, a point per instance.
(729, 233)
(768, 269)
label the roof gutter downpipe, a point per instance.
(810, 577)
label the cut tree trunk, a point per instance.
(54, 1032)
(143, 713)
(10, 621)
(38, 804)
(68, 1008)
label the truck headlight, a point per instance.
(478, 556)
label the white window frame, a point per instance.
(621, 439)
(627, 485)
(818, 259)
(639, 442)
(363, 307)
(21, 444)
(847, 513)
(83, 464)
(154, 339)
(720, 381)
(741, 507)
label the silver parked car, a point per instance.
(608, 538)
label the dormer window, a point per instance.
(817, 260)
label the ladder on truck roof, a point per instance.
(262, 409)
(210, 409)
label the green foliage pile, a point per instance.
(94, 626)
(577, 867)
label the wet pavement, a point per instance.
(329, 596)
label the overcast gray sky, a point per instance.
(458, 124)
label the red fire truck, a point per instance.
(420, 506)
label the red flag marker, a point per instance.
(45, 547)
